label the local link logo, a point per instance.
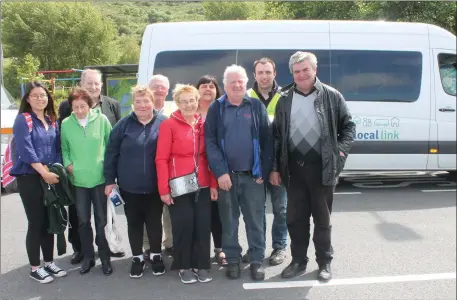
(383, 134)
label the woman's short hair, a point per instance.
(184, 88)
(80, 93)
(49, 110)
(206, 79)
(142, 90)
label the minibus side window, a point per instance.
(187, 66)
(381, 76)
(246, 58)
(448, 72)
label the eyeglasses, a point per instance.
(158, 87)
(193, 101)
(35, 97)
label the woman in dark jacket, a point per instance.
(130, 160)
(37, 141)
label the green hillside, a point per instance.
(131, 18)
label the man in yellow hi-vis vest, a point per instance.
(267, 91)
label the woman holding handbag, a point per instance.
(187, 185)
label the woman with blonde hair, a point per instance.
(130, 159)
(187, 186)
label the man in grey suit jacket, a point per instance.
(92, 81)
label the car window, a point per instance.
(448, 72)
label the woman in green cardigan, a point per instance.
(84, 135)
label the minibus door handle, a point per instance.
(447, 109)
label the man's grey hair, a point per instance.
(159, 77)
(301, 56)
(235, 69)
(90, 71)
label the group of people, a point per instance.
(186, 177)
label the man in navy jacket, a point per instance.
(239, 150)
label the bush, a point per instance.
(60, 96)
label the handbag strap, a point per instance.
(196, 164)
(198, 152)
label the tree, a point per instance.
(440, 13)
(60, 35)
(339, 10)
(130, 49)
(227, 10)
(18, 70)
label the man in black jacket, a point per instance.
(313, 133)
(92, 81)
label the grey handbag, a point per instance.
(186, 184)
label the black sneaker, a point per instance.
(158, 267)
(41, 276)
(54, 270)
(137, 268)
(277, 257)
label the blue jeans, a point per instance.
(279, 232)
(246, 194)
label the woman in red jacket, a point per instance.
(180, 149)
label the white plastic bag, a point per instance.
(112, 235)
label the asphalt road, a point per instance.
(394, 237)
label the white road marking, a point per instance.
(73, 269)
(349, 281)
(437, 191)
(348, 193)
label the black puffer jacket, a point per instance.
(337, 127)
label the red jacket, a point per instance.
(176, 152)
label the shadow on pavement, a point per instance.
(395, 231)
(16, 284)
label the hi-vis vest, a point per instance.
(271, 106)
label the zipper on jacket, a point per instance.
(144, 150)
(174, 167)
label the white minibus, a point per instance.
(399, 79)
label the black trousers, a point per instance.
(191, 227)
(73, 229)
(308, 197)
(216, 225)
(31, 193)
(85, 197)
(141, 209)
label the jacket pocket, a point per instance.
(340, 162)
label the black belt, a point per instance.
(248, 172)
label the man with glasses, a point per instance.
(91, 80)
(160, 86)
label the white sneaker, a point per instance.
(53, 269)
(41, 275)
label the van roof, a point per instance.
(252, 26)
